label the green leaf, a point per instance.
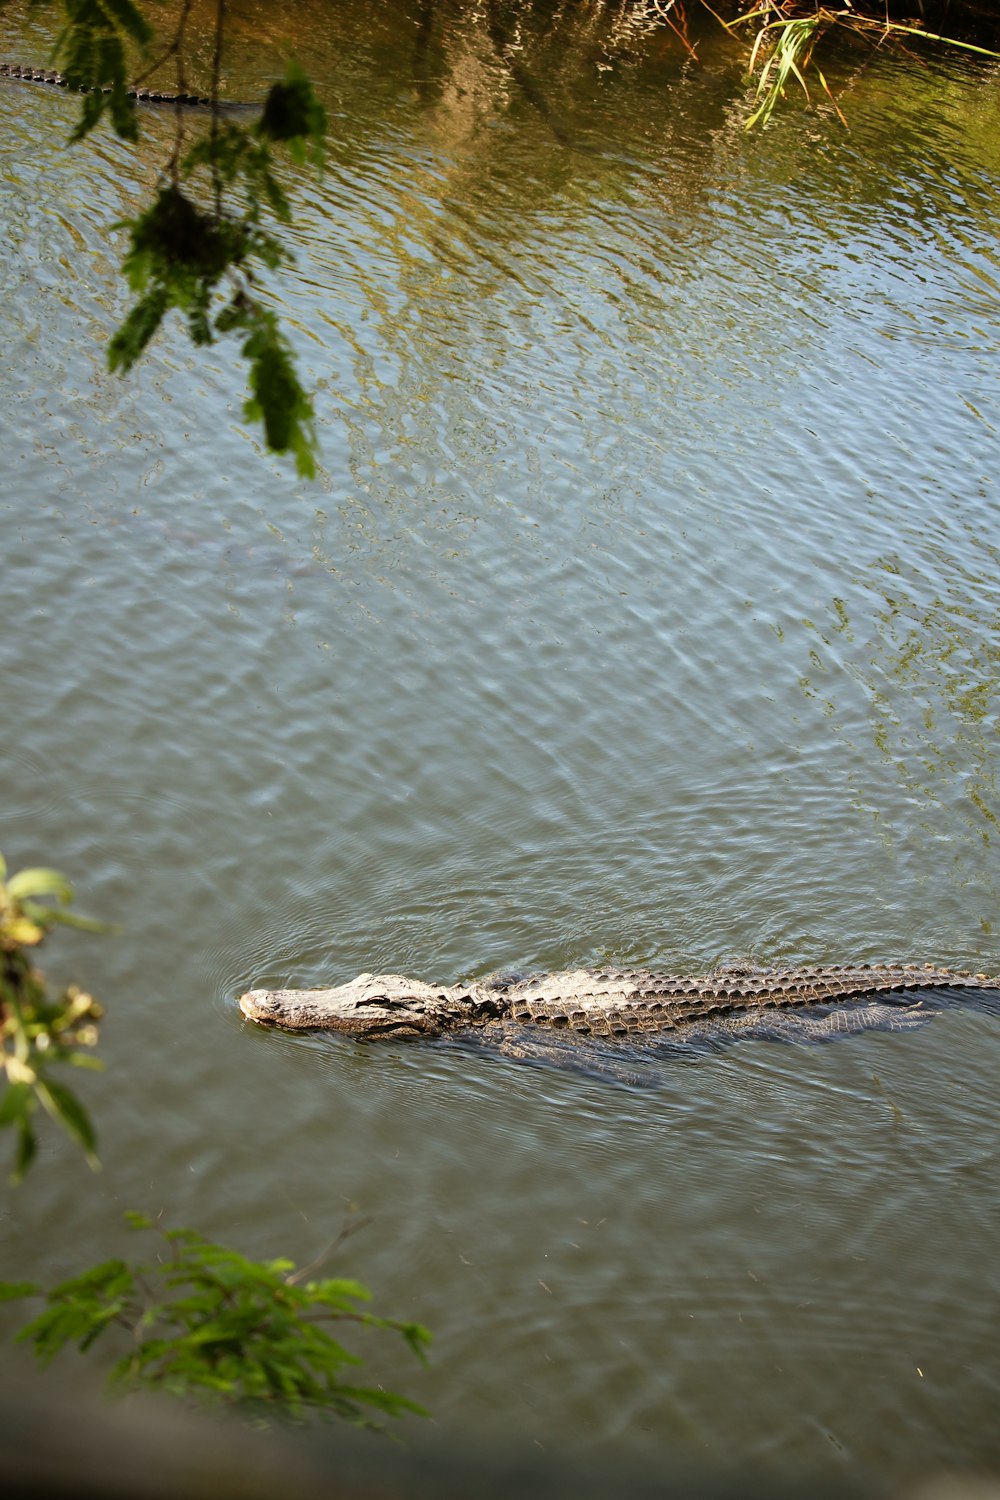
(294, 116)
(278, 399)
(129, 341)
(63, 1105)
(240, 1332)
(91, 111)
(337, 1291)
(11, 1290)
(76, 1321)
(65, 918)
(84, 1060)
(39, 882)
(17, 1102)
(24, 1154)
(131, 21)
(124, 116)
(418, 1338)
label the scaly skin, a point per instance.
(605, 1002)
(141, 96)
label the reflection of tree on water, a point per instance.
(931, 674)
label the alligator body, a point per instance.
(610, 1004)
(141, 96)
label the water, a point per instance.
(645, 611)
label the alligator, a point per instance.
(613, 1005)
(140, 95)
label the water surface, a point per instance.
(645, 611)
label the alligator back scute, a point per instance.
(23, 74)
(607, 1003)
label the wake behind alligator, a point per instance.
(562, 1018)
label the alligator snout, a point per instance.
(260, 1006)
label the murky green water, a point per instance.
(646, 611)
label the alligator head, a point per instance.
(373, 1005)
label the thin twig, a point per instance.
(175, 48)
(324, 1255)
(220, 27)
